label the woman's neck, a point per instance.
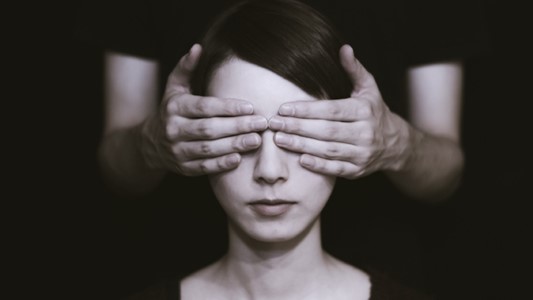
(296, 269)
(276, 270)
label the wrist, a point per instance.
(147, 139)
(404, 147)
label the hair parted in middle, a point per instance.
(286, 37)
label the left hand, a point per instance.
(350, 137)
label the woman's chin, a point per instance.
(275, 233)
(271, 234)
(273, 238)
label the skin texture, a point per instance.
(267, 253)
(358, 135)
(142, 141)
(269, 172)
(199, 134)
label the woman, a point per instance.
(269, 53)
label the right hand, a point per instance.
(195, 135)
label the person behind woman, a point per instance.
(271, 52)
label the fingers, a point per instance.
(322, 129)
(344, 110)
(179, 77)
(210, 166)
(359, 155)
(360, 77)
(213, 128)
(191, 106)
(220, 147)
(331, 167)
(328, 150)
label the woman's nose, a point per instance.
(271, 165)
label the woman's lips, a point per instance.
(271, 208)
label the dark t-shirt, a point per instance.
(366, 220)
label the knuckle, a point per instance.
(204, 129)
(179, 151)
(365, 155)
(237, 143)
(365, 111)
(204, 167)
(171, 130)
(332, 152)
(325, 166)
(206, 149)
(170, 107)
(186, 153)
(366, 134)
(230, 107)
(320, 165)
(202, 105)
(335, 110)
(221, 164)
(339, 169)
(244, 125)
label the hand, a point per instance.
(193, 135)
(348, 138)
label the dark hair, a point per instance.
(287, 37)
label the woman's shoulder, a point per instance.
(202, 284)
(345, 281)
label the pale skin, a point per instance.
(271, 256)
(249, 272)
(186, 134)
(348, 138)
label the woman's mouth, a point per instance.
(271, 208)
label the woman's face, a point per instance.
(269, 196)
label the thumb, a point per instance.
(180, 76)
(360, 77)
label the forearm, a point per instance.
(123, 164)
(431, 166)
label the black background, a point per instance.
(71, 240)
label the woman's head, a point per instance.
(271, 52)
(285, 36)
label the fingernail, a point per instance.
(246, 108)
(233, 159)
(251, 141)
(260, 124)
(286, 110)
(282, 139)
(194, 46)
(276, 123)
(351, 50)
(307, 161)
